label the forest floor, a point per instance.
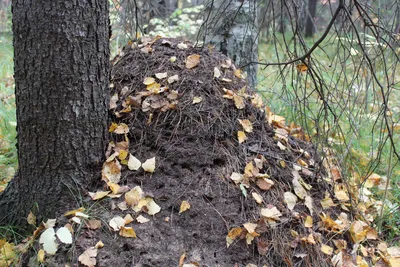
(200, 173)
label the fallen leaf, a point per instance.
(111, 171)
(161, 75)
(326, 249)
(88, 257)
(290, 200)
(149, 165)
(358, 231)
(309, 222)
(172, 59)
(40, 256)
(298, 188)
(302, 67)
(142, 219)
(133, 163)
(47, 238)
(50, 223)
(238, 73)
(197, 99)
(327, 202)
(241, 137)
(149, 80)
(73, 212)
(239, 102)
(247, 125)
(127, 232)
(133, 196)
(152, 207)
(192, 61)
(217, 72)
(257, 197)
(64, 235)
(236, 177)
(114, 187)
(184, 206)
(113, 101)
(116, 223)
(122, 128)
(271, 212)
(128, 219)
(99, 244)
(93, 224)
(250, 227)
(99, 195)
(232, 235)
(309, 203)
(173, 79)
(31, 218)
(264, 183)
(182, 46)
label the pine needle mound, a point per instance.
(218, 148)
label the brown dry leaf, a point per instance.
(88, 257)
(99, 195)
(257, 101)
(247, 125)
(262, 246)
(302, 67)
(184, 206)
(182, 259)
(308, 201)
(149, 80)
(127, 232)
(122, 128)
(93, 224)
(239, 102)
(197, 99)
(241, 137)
(308, 222)
(133, 196)
(290, 200)
(326, 249)
(232, 235)
(264, 183)
(192, 61)
(358, 231)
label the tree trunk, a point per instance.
(312, 9)
(232, 28)
(61, 59)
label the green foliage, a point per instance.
(8, 154)
(182, 23)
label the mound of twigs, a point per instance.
(253, 183)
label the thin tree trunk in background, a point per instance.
(61, 59)
(312, 9)
(232, 28)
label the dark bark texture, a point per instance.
(61, 58)
(312, 9)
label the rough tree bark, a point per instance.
(232, 28)
(61, 58)
(312, 9)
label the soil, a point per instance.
(197, 149)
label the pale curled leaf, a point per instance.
(149, 165)
(64, 235)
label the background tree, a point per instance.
(312, 9)
(61, 57)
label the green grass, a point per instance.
(8, 153)
(353, 97)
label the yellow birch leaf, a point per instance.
(197, 99)
(184, 206)
(309, 222)
(326, 249)
(31, 218)
(98, 195)
(127, 232)
(241, 137)
(41, 256)
(239, 102)
(247, 125)
(149, 80)
(128, 219)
